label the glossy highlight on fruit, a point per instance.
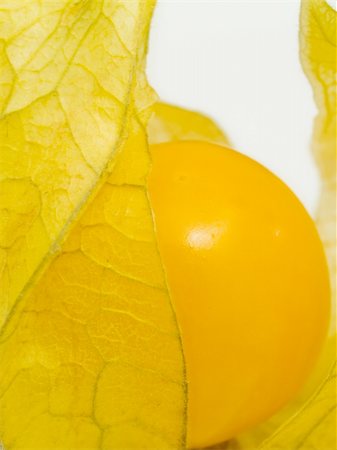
(248, 279)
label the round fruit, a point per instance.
(248, 279)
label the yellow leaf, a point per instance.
(171, 123)
(90, 350)
(49, 159)
(313, 427)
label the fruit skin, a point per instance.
(248, 279)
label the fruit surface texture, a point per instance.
(248, 280)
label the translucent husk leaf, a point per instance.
(172, 123)
(90, 350)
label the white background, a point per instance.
(238, 62)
